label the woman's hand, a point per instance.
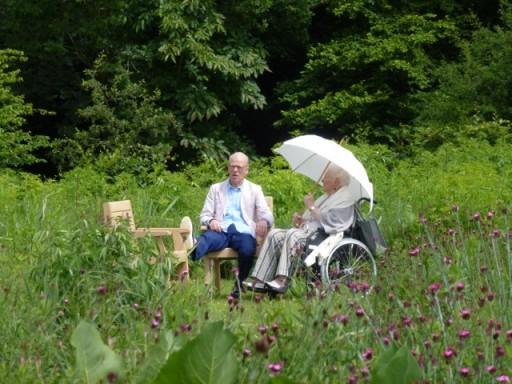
(309, 201)
(297, 220)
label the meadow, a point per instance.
(439, 312)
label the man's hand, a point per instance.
(261, 228)
(214, 225)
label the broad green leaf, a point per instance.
(206, 359)
(157, 356)
(95, 361)
(396, 367)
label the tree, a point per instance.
(358, 80)
(16, 146)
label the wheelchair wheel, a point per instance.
(350, 263)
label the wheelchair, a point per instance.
(347, 259)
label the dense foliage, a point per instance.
(171, 82)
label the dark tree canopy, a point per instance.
(180, 81)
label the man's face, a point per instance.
(237, 170)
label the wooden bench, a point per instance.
(116, 211)
(213, 260)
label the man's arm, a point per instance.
(208, 212)
(264, 216)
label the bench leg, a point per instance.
(207, 270)
(216, 271)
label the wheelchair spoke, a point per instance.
(351, 264)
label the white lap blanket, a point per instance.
(321, 251)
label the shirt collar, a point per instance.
(235, 188)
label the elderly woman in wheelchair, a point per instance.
(330, 214)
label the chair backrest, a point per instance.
(116, 211)
(270, 202)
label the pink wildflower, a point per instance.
(464, 334)
(275, 367)
(465, 313)
(459, 286)
(246, 352)
(434, 287)
(368, 354)
(449, 353)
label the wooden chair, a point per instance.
(213, 260)
(116, 211)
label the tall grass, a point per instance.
(444, 287)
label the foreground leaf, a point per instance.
(206, 359)
(396, 367)
(95, 361)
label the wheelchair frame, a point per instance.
(348, 261)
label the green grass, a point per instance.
(60, 265)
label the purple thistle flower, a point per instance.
(476, 216)
(465, 314)
(491, 214)
(434, 287)
(464, 372)
(262, 345)
(503, 379)
(112, 377)
(185, 328)
(246, 352)
(275, 367)
(262, 329)
(490, 368)
(359, 312)
(459, 286)
(451, 232)
(368, 354)
(464, 334)
(449, 353)
(155, 323)
(343, 319)
(496, 233)
(101, 289)
(500, 351)
(414, 252)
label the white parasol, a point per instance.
(310, 155)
